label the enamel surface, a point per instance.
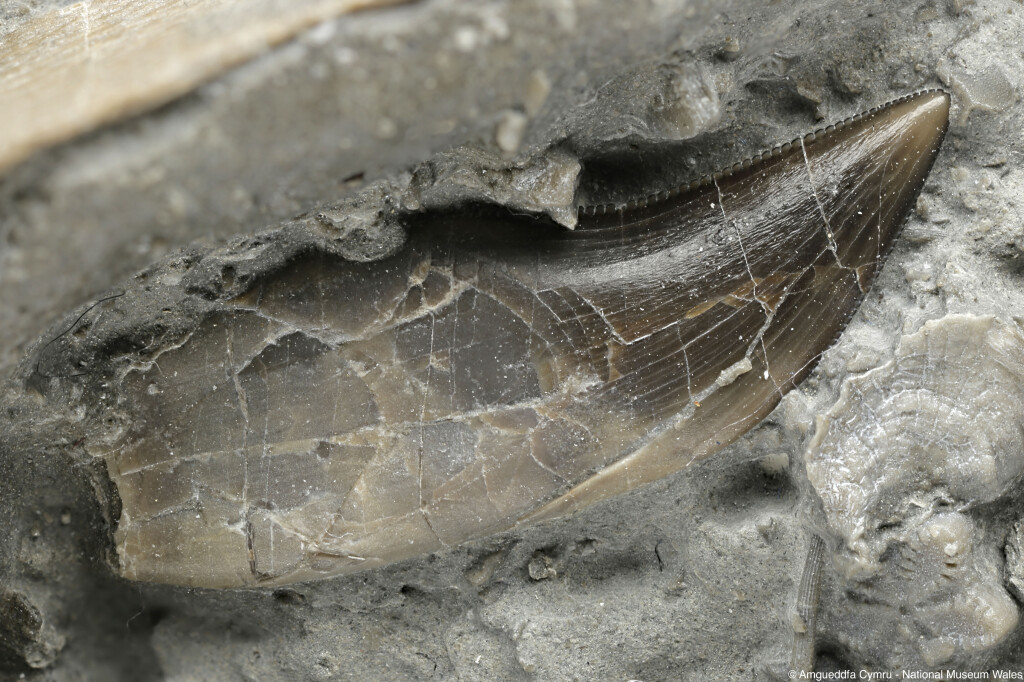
(340, 416)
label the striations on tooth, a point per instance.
(486, 376)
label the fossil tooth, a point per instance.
(805, 615)
(340, 416)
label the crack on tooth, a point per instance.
(689, 375)
(250, 544)
(426, 519)
(541, 464)
(423, 414)
(743, 252)
(767, 366)
(611, 327)
(243, 400)
(769, 310)
(832, 246)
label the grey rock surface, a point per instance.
(902, 463)
(693, 577)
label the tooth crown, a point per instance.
(339, 415)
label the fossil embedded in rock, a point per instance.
(943, 420)
(901, 459)
(341, 415)
(805, 615)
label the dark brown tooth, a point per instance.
(342, 416)
(857, 184)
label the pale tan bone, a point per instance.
(72, 69)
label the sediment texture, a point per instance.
(392, 112)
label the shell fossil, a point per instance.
(899, 462)
(338, 415)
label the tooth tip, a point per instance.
(934, 104)
(924, 111)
